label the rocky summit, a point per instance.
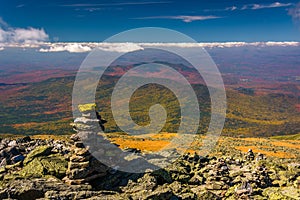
(53, 169)
(68, 169)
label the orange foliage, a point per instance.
(148, 145)
(255, 149)
(164, 136)
(285, 144)
(255, 139)
(54, 137)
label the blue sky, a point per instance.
(205, 21)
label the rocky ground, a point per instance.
(58, 169)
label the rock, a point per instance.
(145, 183)
(161, 193)
(17, 158)
(3, 194)
(55, 169)
(76, 158)
(183, 178)
(25, 190)
(250, 155)
(216, 186)
(13, 166)
(290, 192)
(244, 190)
(80, 194)
(3, 162)
(75, 137)
(85, 120)
(132, 150)
(78, 173)
(81, 152)
(12, 143)
(297, 183)
(86, 108)
(54, 165)
(38, 151)
(260, 156)
(83, 167)
(79, 144)
(162, 175)
(274, 194)
(196, 180)
(73, 165)
(11, 151)
(36, 188)
(208, 195)
(23, 140)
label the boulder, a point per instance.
(38, 151)
(54, 165)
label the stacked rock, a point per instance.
(261, 177)
(250, 155)
(82, 166)
(244, 191)
(218, 176)
(260, 156)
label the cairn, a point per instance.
(261, 177)
(250, 155)
(260, 156)
(218, 178)
(82, 166)
(244, 191)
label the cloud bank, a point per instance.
(128, 47)
(71, 47)
(80, 47)
(86, 47)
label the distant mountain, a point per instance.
(45, 108)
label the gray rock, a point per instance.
(17, 158)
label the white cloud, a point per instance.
(1, 48)
(282, 44)
(120, 47)
(23, 45)
(81, 47)
(187, 18)
(86, 47)
(184, 18)
(263, 6)
(10, 35)
(221, 44)
(252, 7)
(29, 35)
(71, 47)
(128, 47)
(3, 35)
(232, 8)
(21, 35)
